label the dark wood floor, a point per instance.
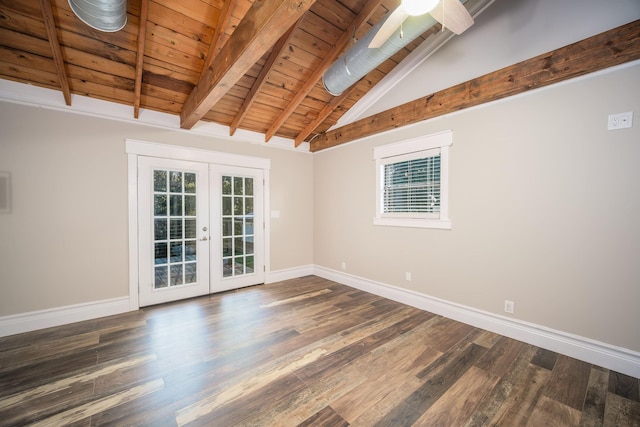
(305, 352)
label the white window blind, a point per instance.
(412, 186)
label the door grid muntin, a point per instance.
(238, 226)
(174, 228)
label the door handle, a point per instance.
(204, 238)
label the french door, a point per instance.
(237, 212)
(200, 229)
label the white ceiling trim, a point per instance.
(25, 94)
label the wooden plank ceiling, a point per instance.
(243, 64)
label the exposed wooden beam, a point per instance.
(277, 51)
(224, 22)
(326, 112)
(142, 35)
(342, 42)
(265, 22)
(50, 25)
(601, 51)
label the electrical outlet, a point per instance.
(620, 121)
(344, 265)
(508, 306)
(407, 276)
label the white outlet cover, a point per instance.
(509, 306)
(620, 121)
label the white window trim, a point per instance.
(382, 155)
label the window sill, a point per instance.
(414, 223)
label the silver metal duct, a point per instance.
(359, 60)
(103, 15)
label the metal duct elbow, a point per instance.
(103, 15)
(358, 61)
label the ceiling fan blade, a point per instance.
(452, 15)
(390, 25)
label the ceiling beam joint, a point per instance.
(265, 22)
(277, 51)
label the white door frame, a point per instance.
(135, 148)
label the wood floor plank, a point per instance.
(26, 412)
(301, 406)
(346, 355)
(522, 399)
(84, 411)
(250, 403)
(297, 298)
(446, 372)
(326, 417)
(31, 354)
(568, 382)
(549, 412)
(499, 358)
(621, 412)
(87, 377)
(305, 351)
(183, 386)
(445, 333)
(40, 373)
(595, 400)
(383, 380)
(624, 385)
(545, 359)
(487, 339)
(249, 384)
(497, 400)
(460, 401)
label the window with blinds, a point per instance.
(412, 182)
(412, 186)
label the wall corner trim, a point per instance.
(598, 353)
(41, 319)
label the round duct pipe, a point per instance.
(358, 61)
(103, 15)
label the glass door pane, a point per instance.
(174, 219)
(237, 226)
(237, 211)
(173, 223)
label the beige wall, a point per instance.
(545, 204)
(65, 241)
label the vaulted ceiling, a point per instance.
(245, 64)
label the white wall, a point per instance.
(65, 240)
(544, 203)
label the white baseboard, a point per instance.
(289, 273)
(598, 353)
(41, 319)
